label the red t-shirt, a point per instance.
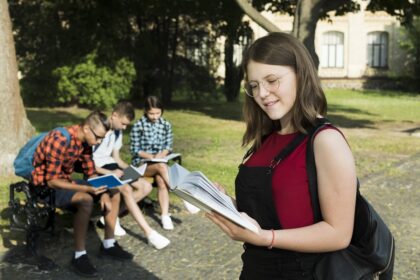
(290, 182)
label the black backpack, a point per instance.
(371, 252)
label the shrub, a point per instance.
(92, 85)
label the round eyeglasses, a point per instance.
(272, 83)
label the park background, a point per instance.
(61, 59)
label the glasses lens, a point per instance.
(271, 85)
(249, 90)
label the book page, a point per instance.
(132, 173)
(177, 173)
(165, 159)
(197, 189)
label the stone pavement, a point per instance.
(199, 250)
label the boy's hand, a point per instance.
(96, 191)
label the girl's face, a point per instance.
(273, 88)
(154, 114)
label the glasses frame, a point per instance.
(264, 84)
(97, 137)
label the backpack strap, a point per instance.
(66, 133)
(311, 168)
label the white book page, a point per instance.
(197, 189)
(205, 202)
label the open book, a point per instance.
(198, 190)
(131, 174)
(165, 159)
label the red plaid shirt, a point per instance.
(55, 159)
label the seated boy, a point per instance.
(54, 162)
(107, 160)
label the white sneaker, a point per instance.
(118, 231)
(157, 240)
(167, 222)
(191, 208)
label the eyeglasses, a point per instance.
(97, 137)
(252, 89)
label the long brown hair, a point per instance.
(283, 49)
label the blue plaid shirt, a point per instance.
(150, 137)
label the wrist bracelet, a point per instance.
(272, 240)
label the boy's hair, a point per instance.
(97, 118)
(283, 49)
(125, 109)
(152, 102)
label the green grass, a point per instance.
(209, 133)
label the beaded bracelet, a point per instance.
(272, 240)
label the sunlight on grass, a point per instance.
(209, 134)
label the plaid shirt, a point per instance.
(150, 137)
(55, 159)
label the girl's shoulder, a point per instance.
(328, 131)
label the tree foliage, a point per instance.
(152, 34)
(92, 85)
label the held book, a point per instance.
(108, 180)
(165, 159)
(198, 190)
(131, 174)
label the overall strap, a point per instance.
(286, 151)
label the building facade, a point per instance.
(355, 46)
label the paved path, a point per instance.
(198, 250)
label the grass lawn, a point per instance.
(208, 135)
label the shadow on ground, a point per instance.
(58, 247)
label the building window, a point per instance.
(377, 49)
(332, 51)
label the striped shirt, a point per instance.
(54, 158)
(150, 137)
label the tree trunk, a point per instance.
(233, 73)
(256, 16)
(306, 17)
(15, 129)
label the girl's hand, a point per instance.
(118, 172)
(235, 232)
(219, 187)
(159, 155)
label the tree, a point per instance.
(14, 125)
(306, 15)
(412, 45)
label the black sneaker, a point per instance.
(115, 252)
(83, 266)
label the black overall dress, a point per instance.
(253, 186)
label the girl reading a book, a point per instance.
(151, 138)
(284, 99)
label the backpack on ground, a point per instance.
(23, 162)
